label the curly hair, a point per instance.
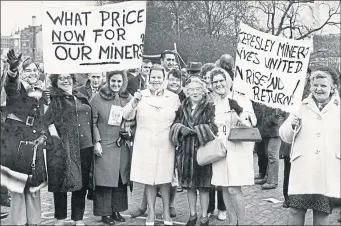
(206, 68)
(195, 80)
(176, 73)
(316, 73)
(54, 79)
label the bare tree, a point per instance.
(287, 17)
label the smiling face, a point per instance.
(31, 74)
(174, 83)
(65, 82)
(219, 84)
(116, 82)
(168, 62)
(96, 80)
(322, 88)
(195, 91)
(156, 78)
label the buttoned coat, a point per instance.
(115, 160)
(153, 155)
(315, 157)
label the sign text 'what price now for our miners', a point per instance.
(94, 39)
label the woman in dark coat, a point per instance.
(192, 128)
(21, 131)
(70, 151)
(113, 157)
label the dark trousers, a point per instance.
(77, 205)
(287, 166)
(110, 199)
(211, 205)
(262, 157)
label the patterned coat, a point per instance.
(191, 175)
(63, 154)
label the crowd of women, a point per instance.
(88, 144)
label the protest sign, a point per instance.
(93, 39)
(271, 69)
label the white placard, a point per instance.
(93, 39)
(115, 115)
(271, 69)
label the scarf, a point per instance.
(159, 91)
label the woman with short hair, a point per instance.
(193, 127)
(112, 160)
(236, 169)
(153, 155)
(314, 181)
(69, 150)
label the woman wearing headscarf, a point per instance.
(153, 156)
(23, 130)
(113, 157)
(314, 181)
(193, 127)
(236, 169)
(69, 148)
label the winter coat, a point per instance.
(63, 152)
(135, 83)
(28, 108)
(153, 155)
(236, 169)
(269, 120)
(115, 160)
(315, 158)
(190, 174)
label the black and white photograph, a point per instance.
(155, 112)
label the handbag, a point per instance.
(248, 134)
(211, 152)
(27, 163)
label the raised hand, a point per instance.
(137, 97)
(13, 60)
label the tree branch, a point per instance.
(283, 17)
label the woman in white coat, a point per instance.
(153, 155)
(236, 169)
(314, 181)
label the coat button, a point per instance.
(318, 134)
(34, 131)
(88, 123)
(34, 109)
(86, 112)
(81, 135)
(317, 152)
(79, 124)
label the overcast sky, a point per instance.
(13, 17)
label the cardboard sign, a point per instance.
(93, 39)
(271, 69)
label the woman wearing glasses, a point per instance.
(22, 132)
(70, 151)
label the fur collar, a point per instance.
(106, 93)
(193, 119)
(59, 92)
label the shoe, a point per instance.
(108, 220)
(204, 221)
(149, 223)
(168, 222)
(137, 213)
(221, 215)
(192, 220)
(116, 216)
(4, 215)
(79, 223)
(259, 176)
(60, 222)
(179, 189)
(286, 204)
(210, 214)
(260, 181)
(339, 220)
(172, 212)
(158, 194)
(267, 186)
(90, 195)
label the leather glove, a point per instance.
(235, 106)
(13, 60)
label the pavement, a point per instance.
(258, 212)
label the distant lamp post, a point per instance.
(34, 37)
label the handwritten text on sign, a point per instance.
(271, 69)
(94, 39)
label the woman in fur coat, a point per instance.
(194, 127)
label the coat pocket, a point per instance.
(296, 153)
